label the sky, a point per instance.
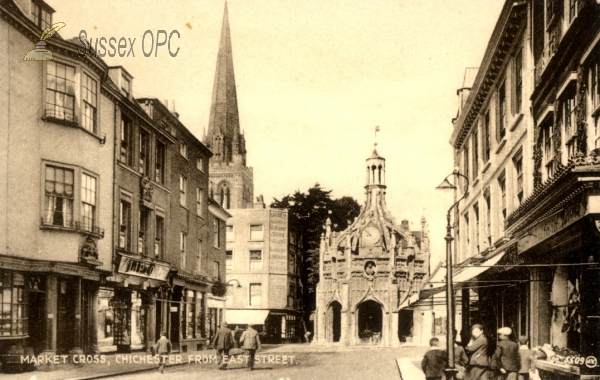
(313, 80)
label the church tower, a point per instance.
(367, 271)
(231, 180)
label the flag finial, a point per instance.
(377, 129)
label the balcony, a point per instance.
(90, 229)
(54, 223)
(60, 116)
(58, 223)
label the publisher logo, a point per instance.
(41, 53)
(591, 362)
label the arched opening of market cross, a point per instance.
(369, 322)
(333, 322)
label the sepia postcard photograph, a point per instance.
(300, 189)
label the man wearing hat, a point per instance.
(251, 343)
(223, 342)
(508, 354)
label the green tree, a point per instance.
(308, 213)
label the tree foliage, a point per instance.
(308, 213)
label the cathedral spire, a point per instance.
(223, 136)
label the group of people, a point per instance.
(227, 339)
(224, 340)
(483, 358)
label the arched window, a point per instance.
(224, 196)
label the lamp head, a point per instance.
(446, 185)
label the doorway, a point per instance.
(66, 316)
(333, 329)
(370, 322)
(405, 325)
(37, 322)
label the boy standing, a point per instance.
(434, 362)
(163, 349)
(525, 358)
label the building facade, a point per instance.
(263, 267)
(526, 236)
(108, 234)
(214, 265)
(57, 168)
(367, 271)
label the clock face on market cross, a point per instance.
(370, 236)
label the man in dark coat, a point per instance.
(508, 354)
(479, 359)
(223, 342)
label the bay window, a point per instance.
(71, 96)
(13, 301)
(60, 92)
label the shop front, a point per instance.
(282, 326)
(215, 314)
(565, 293)
(188, 310)
(557, 235)
(47, 308)
(130, 315)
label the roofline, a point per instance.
(462, 126)
(179, 123)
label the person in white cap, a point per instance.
(508, 354)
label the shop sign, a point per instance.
(551, 226)
(213, 303)
(143, 268)
(278, 234)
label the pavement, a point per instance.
(409, 369)
(309, 361)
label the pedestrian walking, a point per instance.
(234, 337)
(163, 350)
(223, 342)
(480, 352)
(508, 354)
(525, 358)
(251, 344)
(434, 361)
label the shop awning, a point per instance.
(437, 281)
(243, 317)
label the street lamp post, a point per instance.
(446, 185)
(233, 279)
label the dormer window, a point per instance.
(125, 86)
(41, 14)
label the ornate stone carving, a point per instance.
(537, 160)
(89, 252)
(370, 270)
(147, 188)
(581, 110)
